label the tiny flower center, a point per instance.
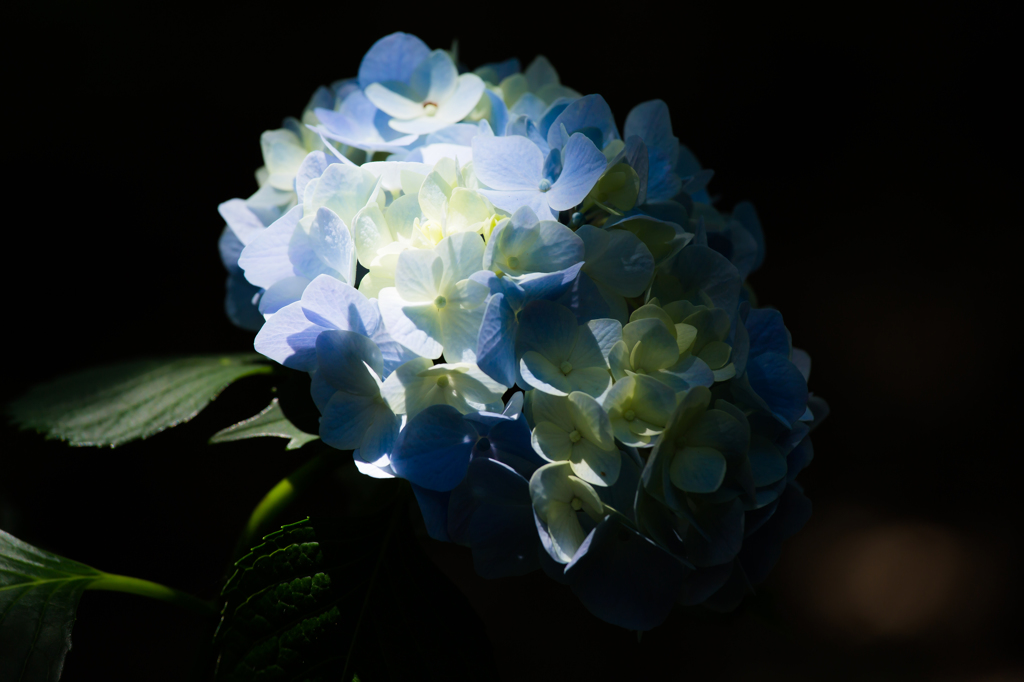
(429, 108)
(576, 504)
(544, 185)
(442, 381)
(440, 301)
(483, 445)
(575, 436)
(513, 262)
(566, 367)
(629, 415)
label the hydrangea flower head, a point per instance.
(542, 324)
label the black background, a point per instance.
(879, 149)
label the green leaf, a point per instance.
(39, 595)
(338, 599)
(270, 422)
(115, 404)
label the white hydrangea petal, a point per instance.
(461, 254)
(595, 465)
(468, 90)
(566, 533)
(541, 374)
(392, 102)
(434, 79)
(460, 328)
(551, 442)
(418, 277)
(414, 325)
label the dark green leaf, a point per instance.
(328, 599)
(115, 404)
(270, 422)
(39, 594)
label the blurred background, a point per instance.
(881, 150)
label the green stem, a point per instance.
(286, 490)
(146, 588)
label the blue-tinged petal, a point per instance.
(434, 507)
(499, 113)
(342, 359)
(529, 105)
(268, 257)
(332, 243)
(624, 578)
(491, 513)
(547, 328)
(551, 114)
(460, 134)
(548, 286)
(522, 126)
(330, 303)
(582, 166)
(245, 224)
(230, 248)
(281, 293)
(512, 200)
(779, 383)
(652, 123)
(346, 418)
(360, 124)
(380, 434)
(434, 78)
(290, 338)
(636, 157)
(767, 332)
(508, 163)
(590, 113)
(802, 360)
(585, 300)
(495, 347)
(392, 58)
(238, 302)
(703, 268)
(434, 449)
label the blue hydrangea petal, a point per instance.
(434, 508)
(780, 384)
(508, 163)
(434, 448)
(624, 578)
(281, 293)
(491, 512)
(392, 58)
(268, 257)
(582, 166)
(243, 223)
(767, 332)
(584, 114)
(495, 348)
(340, 358)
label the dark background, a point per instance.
(880, 151)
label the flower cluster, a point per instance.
(541, 323)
